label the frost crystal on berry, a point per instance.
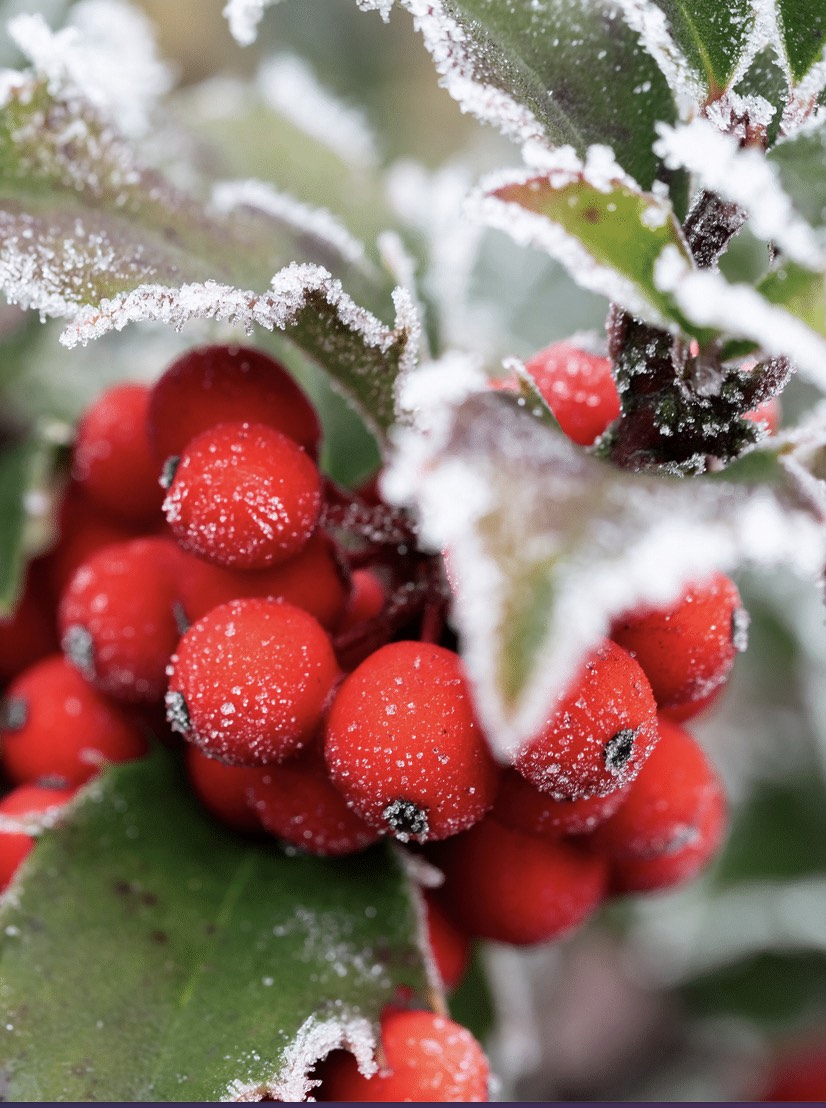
(407, 821)
(177, 713)
(170, 468)
(740, 621)
(13, 714)
(619, 749)
(79, 648)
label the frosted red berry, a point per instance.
(225, 791)
(222, 384)
(578, 387)
(112, 460)
(27, 802)
(520, 805)
(798, 1074)
(117, 618)
(56, 727)
(83, 530)
(243, 495)
(250, 680)
(671, 820)
(367, 599)
(315, 579)
(425, 1058)
(687, 649)
(30, 632)
(518, 888)
(404, 747)
(297, 803)
(449, 944)
(600, 732)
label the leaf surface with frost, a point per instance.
(547, 544)
(803, 34)
(800, 164)
(607, 232)
(208, 965)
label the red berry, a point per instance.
(57, 727)
(800, 1075)
(117, 618)
(403, 745)
(84, 529)
(517, 888)
(601, 731)
(28, 802)
(221, 384)
(113, 463)
(29, 634)
(297, 803)
(688, 648)
(244, 495)
(225, 791)
(426, 1058)
(768, 413)
(578, 387)
(520, 805)
(250, 680)
(315, 580)
(671, 820)
(367, 599)
(449, 945)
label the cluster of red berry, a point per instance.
(298, 641)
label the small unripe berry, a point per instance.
(27, 802)
(225, 791)
(222, 384)
(403, 745)
(687, 649)
(578, 387)
(600, 732)
(243, 495)
(517, 888)
(112, 461)
(297, 803)
(250, 680)
(520, 805)
(117, 618)
(57, 727)
(315, 579)
(426, 1058)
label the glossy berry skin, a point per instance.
(112, 461)
(225, 791)
(404, 747)
(297, 803)
(426, 1058)
(25, 802)
(671, 820)
(520, 805)
(449, 944)
(29, 634)
(601, 731)
(243, 495)
(56, 727)
(227, 384)
(250, 680)
(687, 649)
(367, 599)
(84, 529)
(799, 1075)
(517, 888)
(117, 618)
(578, 387)
(314, 579)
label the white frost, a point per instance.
(745, 177)
(650, 23)
(106, 53)
(243, 17)
(317, 222)
(290, 87)
(708, 299)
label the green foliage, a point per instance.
(803, 30)
(712, 37)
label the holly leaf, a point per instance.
(800, 164)
(607, 232)
(800, 292)
(147, 953)
(546, 545)
(802, 33)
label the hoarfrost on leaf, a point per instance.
(243, 17)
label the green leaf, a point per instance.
(798, 290)
(25, 472)
(766, 78)
(618, 235)
(800, 162)
(146, 953)
(570, 70)
(803, 32)
(711, 36)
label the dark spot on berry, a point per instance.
(170, 468)
(79, 648)
(181, 621)
(619, 749)
(14, 713)
(407, 820)
(740, 629)
(177, 713)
